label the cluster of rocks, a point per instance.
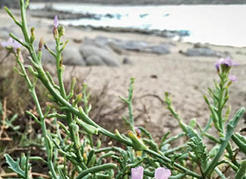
(161, 33)
(132, 45)
(85, 55)
(50, 13)
(103, 51)
(203, 50)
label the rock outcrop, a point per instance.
(203, 50)
(94, 55)
(132, 45)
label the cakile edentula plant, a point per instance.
(73, 149)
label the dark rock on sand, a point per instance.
(127, 61)
(203, 50)
(207, 52)
(160, 49)
(200, 45)
(49, 13)
(161, 33)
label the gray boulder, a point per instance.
(108, 57)
(94, 60)
(71, 56)
(206, 52)
(160, 49)
(98, 42)
(134, 45)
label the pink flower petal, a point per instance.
(232, 78)
(137, 173)
(225, 61)
(162, 173)
(11, 43)
(56, 23)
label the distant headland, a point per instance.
(174, 2)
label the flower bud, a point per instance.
(41, 43)
(19, 55)
(138, 132)
(32, 35)
(138, 143)
(55, 32)
(55, 29)
(61, 31)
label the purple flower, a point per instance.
(11, 43)
(162, 173)
(56, 22)
(232, 78)
(137, 173)
(227, 62)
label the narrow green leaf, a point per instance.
(14, 165)
(242, 171)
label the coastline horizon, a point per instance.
(193, 23)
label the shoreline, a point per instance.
(146, 22)
(120, 30)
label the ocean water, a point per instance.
(214, 24)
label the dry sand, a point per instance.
(185, 78)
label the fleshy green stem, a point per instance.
(42, 119)
(96, 169)
(167, 160)
(242, 171)
(230, 129)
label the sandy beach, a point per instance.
(185, 78)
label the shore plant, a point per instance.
(74, 150)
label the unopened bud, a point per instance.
(55, 32)
(41, 43)
(32, 35)
(19, 55)
(78, 98)
(137, 143)
(61, 30)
